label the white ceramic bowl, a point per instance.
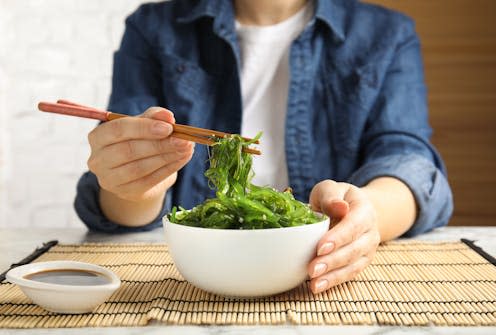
(59, 298)
(243, 263)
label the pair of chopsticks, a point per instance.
(189, 133)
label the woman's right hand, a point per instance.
(135, 158)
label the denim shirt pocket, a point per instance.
(189, 90)
(351, 94)
(190, 93)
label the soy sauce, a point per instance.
(74, 277)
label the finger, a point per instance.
(328, 197)
(143, 167)
(145, 183)
(342, 256)
(128, 128)
(121, 153)
(339, 276)
(358, 220)
(349, 229)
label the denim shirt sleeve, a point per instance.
(396, 139)
(87, 206)
(135, 87)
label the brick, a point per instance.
(61, 49)
(17, 217)
(49, 216)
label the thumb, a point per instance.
(328, 198)
(336, 208)
(159, 113)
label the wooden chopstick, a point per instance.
(190, 133)
(180, 128)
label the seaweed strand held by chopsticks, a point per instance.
(239, 204)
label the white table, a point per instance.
(15, 244)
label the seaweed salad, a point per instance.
(239, 204)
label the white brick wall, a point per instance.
(50, 49)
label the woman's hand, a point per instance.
(349, 246)
(134, 158)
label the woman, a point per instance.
(336, 86)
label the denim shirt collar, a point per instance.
(333, 13)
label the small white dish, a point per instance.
(244, 263)
(80, 287)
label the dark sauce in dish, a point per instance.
(74, 277)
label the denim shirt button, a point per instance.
(180, 68)
(298, 139)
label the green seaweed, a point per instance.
(239, 204)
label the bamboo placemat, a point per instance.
(409, 283)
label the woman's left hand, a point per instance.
(350, 245)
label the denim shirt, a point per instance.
(356, 103)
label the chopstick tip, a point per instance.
(41, 105)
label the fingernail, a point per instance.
(161, 128)
(319, 269)
(321, 285)
(325, 248)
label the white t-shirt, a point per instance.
(264, 87)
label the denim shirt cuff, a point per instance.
(87, 207)
(427, 183)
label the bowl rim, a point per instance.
(17, 276)
(325, 218)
